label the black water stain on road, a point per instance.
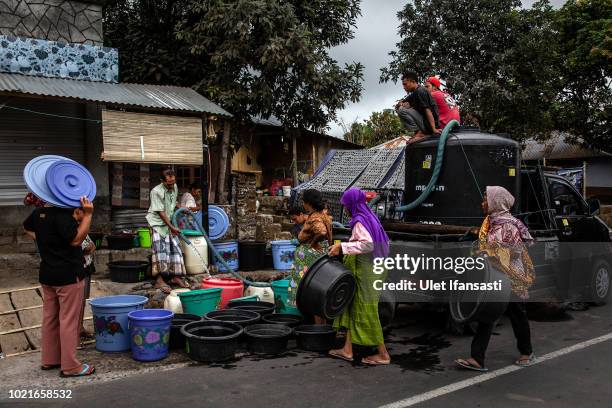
(425, 357)
(549, 314)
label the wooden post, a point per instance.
(221, 193)
(294, 175)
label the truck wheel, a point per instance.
(600, 282)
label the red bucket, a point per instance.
(230, 288)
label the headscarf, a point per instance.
(355, 201)
(500, 201)
(506, 245)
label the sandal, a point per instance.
(46, 367)
(338, 354)
(369, 361)
(470, 366)
(87, 370)
(526, 362)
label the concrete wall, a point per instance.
(55, 20)
(599, 172)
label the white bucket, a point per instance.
(173, 302)
(287, 191)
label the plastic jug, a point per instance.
(264, 294)
(173, 302)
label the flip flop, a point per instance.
(526, 362)
(87, 370)
(368, 361)
(336, 354)
(46, 367)
(466, 364)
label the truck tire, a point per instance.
(600, 282)
(386, 310)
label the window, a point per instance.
(564, 199)
(186, 176)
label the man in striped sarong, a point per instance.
(167, 259)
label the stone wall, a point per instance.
(246, 201)
(56, 20)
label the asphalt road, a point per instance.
(422, 362)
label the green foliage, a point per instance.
(584, 30)
(253, 57)
(497, 59)
(378, 128)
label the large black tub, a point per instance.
(211, 340)
(286, 319)
(177, 340)
(481, 306)
(326, 289)
(252, 255)
(263, 308)
(128, 271)
(241, 317)
(267, 338)
(315, 337)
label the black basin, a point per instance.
(263, 308)
(287, 319)
(241, 317)
(315, 337)
(326, 289)
(211, 340)
(177, 340)
(267, 338)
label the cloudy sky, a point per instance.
(375, 36)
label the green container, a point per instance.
(201, 301)
(191, 233)
(145, 237)
(281, 297)
(252, 298)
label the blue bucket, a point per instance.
(150, 333)
(229, 252)
(110, 319)
(282, 254)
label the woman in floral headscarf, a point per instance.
(504, 239)
(368, 240)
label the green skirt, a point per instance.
(361, 316)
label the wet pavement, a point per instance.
(422, 361)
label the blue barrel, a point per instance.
(229, 252)
(150, 333)
(110, 317)
(283, 254)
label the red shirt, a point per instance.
(447, 107)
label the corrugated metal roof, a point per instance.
(556, 148)
(171, 98)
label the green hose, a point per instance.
(214, 250)
(374, 201)
(436, 171)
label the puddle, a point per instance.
(425, 357)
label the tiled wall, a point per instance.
(55, 20)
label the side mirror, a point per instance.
(594, 206)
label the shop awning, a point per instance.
(149, 138)
(123, 95)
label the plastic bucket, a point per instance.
(281, 297)
(150, 333)
(199, 302)
(145, 237)
(211, 340)
(253, 298)
(231, 288)
(287, 191)
(282, 254)
(229, 252)
(110, 317)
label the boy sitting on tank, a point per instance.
(417, 111)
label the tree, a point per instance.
(585, 38)
(499, 60)
(378, 128)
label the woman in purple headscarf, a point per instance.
(368, 240)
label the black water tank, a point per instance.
(455, 199)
